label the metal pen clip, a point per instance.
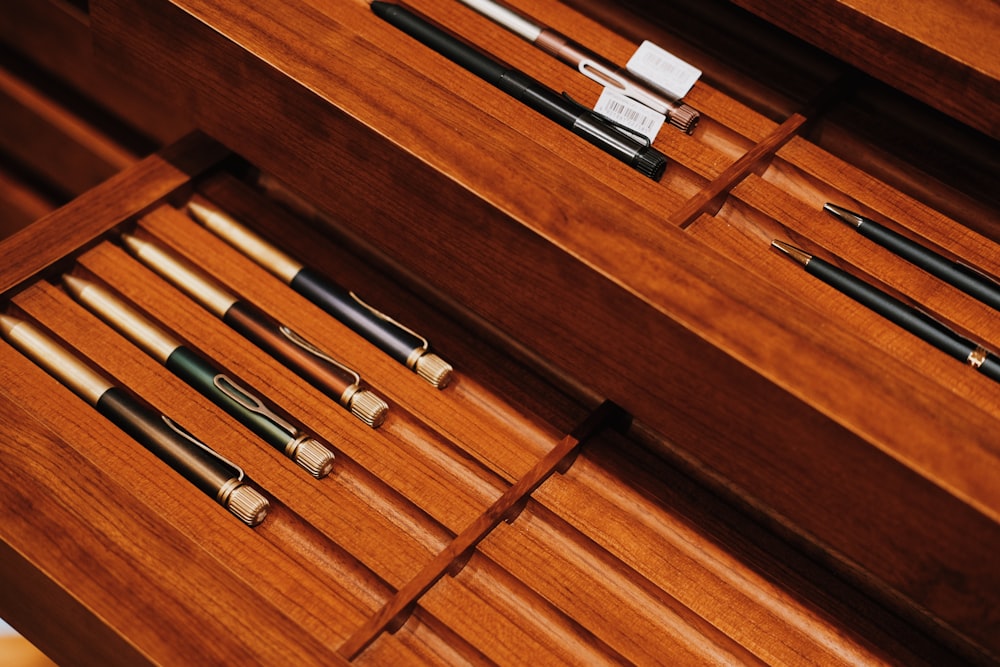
(301, 342)
(637, 136)
(252, 403)
(600, 73)
(382, 316)
(176, 428)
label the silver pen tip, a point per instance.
(799, 255)
(248, 505)
(434, 370)
(369, 408)
(843, 214)
(312, 456)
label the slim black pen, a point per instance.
(229, 393)
(957, 275)
(402, 344)
(195, 461)
(916, 322)
(625, 145)
(315, 365)
(588, 63)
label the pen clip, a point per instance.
(241, 395)
(176, 428)
(638, 136)
(301, 342)
(379, 314)
(601, 73)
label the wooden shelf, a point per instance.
(559, 278)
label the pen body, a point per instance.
(388, 336)
(199, 466)
(961, 277)
(321, 371)
(911, 319)
(248, 409)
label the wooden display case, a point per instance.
(802, 481)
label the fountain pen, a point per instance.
(916, 322)
(315, 365)
(195, 461)
(625, 145)
(399, 342)
(227, 392)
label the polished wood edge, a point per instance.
(67, 230)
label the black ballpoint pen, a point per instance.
(957, 275)
(227, 392)
(399, 342)
(916, 322)
(321, 370)
(195, 461)
(588, 63)
(623, 144)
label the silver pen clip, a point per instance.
(382, 316)
(176, 428)
(298, 340)
(242, 395)
(609, 78)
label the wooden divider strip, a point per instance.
(710, 197)
(505, 508)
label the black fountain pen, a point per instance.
(625, 145)
(916, 322)
(957, 275)
(402, 344)
(232, 395)
(195, 461)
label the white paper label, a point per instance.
(663, 69)
(631, 114)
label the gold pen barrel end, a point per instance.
(312, 456)
(434, 370)
(369, 408)
(248, 505)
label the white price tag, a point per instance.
(663, 69)
(631, 114)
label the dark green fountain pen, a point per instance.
(241, 402)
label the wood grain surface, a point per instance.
(798, 477)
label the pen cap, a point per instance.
(433, 369)
(312, 456)
(368, 407)
(247, 504)
(684, 118)
(650, 163)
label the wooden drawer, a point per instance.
(558, 278)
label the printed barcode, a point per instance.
(629, 113)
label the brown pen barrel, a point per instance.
(321, 371)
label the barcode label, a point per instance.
(631, 114)
(663, 69)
